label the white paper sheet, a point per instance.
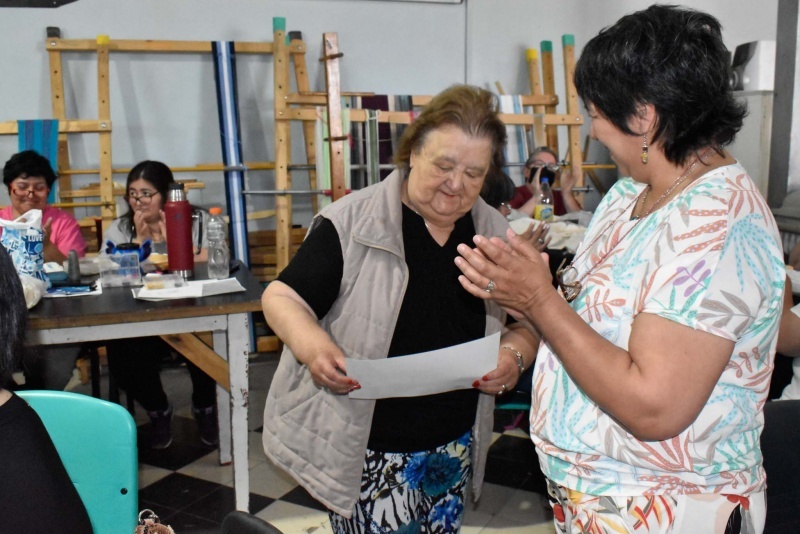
(425, 373)
(192, 289)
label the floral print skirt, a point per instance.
(411, 491)
(708, 513)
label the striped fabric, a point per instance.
(369, 155)
(230, 136)
(41, 136)
(517, 149)
(374, 143)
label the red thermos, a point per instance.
(178, 213)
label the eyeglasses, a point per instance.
(568, 283)
(26, 190)
(143, 197)
(552, 167)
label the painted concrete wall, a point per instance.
(163, 106)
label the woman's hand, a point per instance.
(293, 321)
(49, 249)
(537, 236)
(519, 273)
(327, 368)
(568, 181)
(154, 231)
(503, 378)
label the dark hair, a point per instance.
(28, 163)
(13, 318)
(472, 109)
(673, 58)
(160, 176)
(497, 188)
(156, 173)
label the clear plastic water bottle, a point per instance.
(543, 211)
(218, 253)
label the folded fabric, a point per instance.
(193, 289)
(563, 234)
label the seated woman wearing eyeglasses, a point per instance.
(146, 193)
(135, 366)
(648, 392)
(527, 195)
(29, 177)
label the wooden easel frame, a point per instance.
(104, 47)
(544, 118)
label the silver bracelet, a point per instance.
(518, 354)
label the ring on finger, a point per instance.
(503, 390)
(490, 286)
(541, 240)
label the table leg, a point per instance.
(238, 361)
(220, 339)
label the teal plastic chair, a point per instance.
(517, 400)
(96, 440)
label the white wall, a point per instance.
(163, 106)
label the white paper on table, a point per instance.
(192, 289)
(426, 373)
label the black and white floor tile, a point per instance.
(191, 492)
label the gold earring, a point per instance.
(644, 149)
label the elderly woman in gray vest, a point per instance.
(375, 278)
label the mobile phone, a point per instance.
(548, 171)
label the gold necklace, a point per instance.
(571, 290)
(644, 200)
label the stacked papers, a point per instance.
(192, 289)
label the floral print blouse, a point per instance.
(710, 259)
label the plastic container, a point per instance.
(121, 269)
(163, 281)
(178, 213)
(543, 211)
(219, 255)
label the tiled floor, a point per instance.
(189, 491)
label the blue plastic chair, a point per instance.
(96, 440)
(518, 400)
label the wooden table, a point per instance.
(117, 315)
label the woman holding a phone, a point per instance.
(543, 163)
